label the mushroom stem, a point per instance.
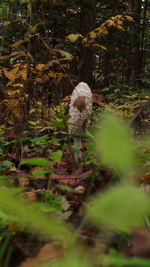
(77, 145)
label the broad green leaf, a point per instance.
(114, 144)
(7, 163)
(56, 156)
(36, 161)
(40, 172)
(40, 140)
(121, 207)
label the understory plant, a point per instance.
(118, 209)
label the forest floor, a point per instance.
(38, 165)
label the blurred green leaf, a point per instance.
(118, 260)
(122, 207)
(7, 163)
(27, 214)
(4, 181)
(73, 259)
(114, 145)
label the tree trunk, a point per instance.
(86, 55)
(137, 52)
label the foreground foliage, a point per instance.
(47, 192)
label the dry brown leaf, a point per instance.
(47, 253)
(31, 196)
(71, 176)
(15, 70)
(80, 189)
(97, 98)
(10, 75)
(40, 67)
(23, 181)
(23, 74)
(141, 242)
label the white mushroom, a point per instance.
(80, 112)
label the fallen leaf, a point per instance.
(141, 242)
(31, 196)
(97, 98)
(47, 253)
(72, 178)
(9, 75)
(80, 189)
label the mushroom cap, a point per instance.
(80, 109)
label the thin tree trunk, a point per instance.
(86, 55)
(143, 41)
(137, 53)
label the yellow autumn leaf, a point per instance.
(16, 65)
(16, 44)
(32, 110)
(9, 75)
(103, 47)
(64, 58)
(4, 57)
(12, 93)
(84, 40)
(39, 80)
(109, 23)
(74, 37)
(52, 74)
(54, 2)
(40, 66)
(120, 22)
(100, 46)
(102, 30)
(6, 23)
(19, 52)
(129, 18)
(15, 70)
(115, 19)
(119, 27)
(118, 16)
(63, 53)
(31, 32)
(39, 103)
(18, 85)
(9, 83)
(32, 28)
(23, 74)
(93, 35)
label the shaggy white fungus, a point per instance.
(80, 111)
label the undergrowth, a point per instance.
(35, 199)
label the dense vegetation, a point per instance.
(55, 211)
